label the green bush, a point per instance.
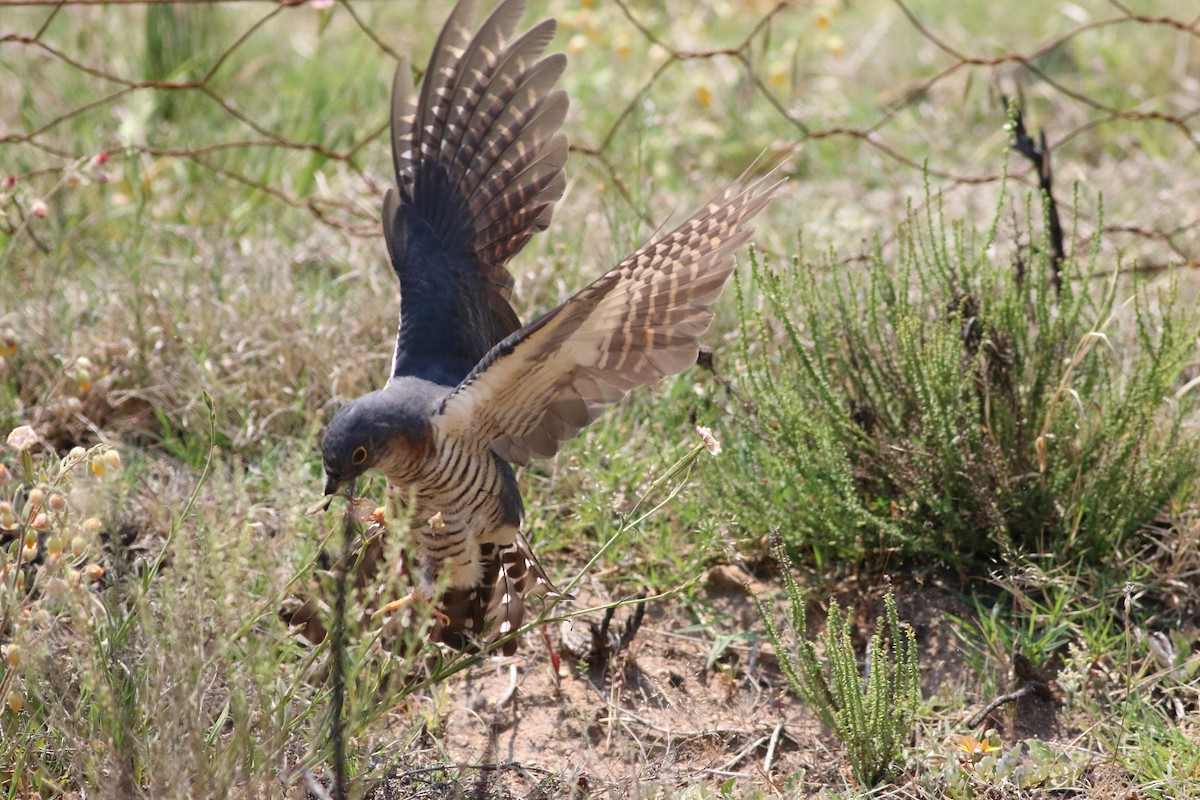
(947, 401)
(872, 717)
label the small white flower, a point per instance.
(710, 442)
(22, 438)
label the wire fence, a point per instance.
(50, 141)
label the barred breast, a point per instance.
(467, 498)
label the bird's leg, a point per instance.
(413, 597)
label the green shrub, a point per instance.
(871, 721)
(947, 401)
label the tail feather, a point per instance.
(497, 606)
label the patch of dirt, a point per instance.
(669, 709)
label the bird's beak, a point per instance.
(332, 486)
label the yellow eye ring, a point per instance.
(359, 455)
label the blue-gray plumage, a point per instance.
(479, 164)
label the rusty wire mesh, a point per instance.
(50, 144)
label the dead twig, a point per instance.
(1029, 688)
(1038, 153)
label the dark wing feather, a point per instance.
(479, 162)
(638, 323)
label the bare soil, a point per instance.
(663, 712)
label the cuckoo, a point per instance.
(479, 163)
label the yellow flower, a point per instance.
(704, 96)
(976, 748)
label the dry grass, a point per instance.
(252, 275)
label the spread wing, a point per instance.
(479, 163)
(638, 323)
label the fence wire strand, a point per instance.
(39, 153)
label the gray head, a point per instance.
(373, 431)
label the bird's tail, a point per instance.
(497, 606)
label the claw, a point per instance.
(409, 599)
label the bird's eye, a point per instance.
(359, 455)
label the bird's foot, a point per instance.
(413, 597)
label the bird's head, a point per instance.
(373, 431)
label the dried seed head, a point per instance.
(39, 209)
(13, 656)
(77, 455)
(78, 546)
(22, 438)
(92, 525)
(29, 553)
(112, 460)
(93, 572)
(57, 502)
(15, 701)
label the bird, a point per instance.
(479, 166)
